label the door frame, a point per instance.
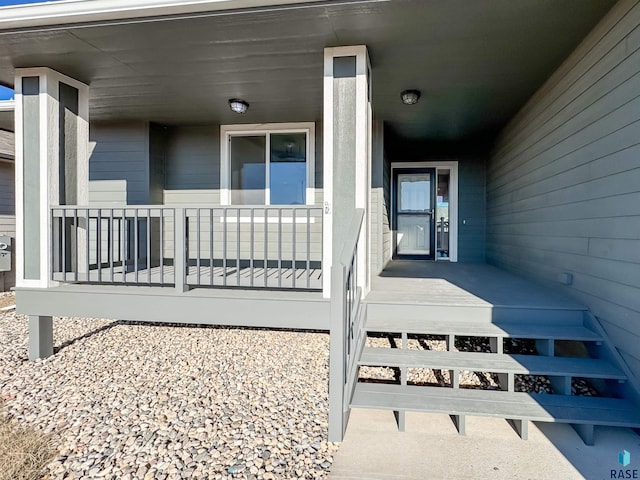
(450, 165)
(432, 172)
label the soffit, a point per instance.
(476, 63)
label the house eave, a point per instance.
(66, 12)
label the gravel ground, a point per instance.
(140, 401)
(7, 299)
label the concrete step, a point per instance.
(491, 362)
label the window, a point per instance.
(267, 164)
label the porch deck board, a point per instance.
(473, 285)
(490, 362)
(275, 278)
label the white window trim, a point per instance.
(227, 131)
(453, 199)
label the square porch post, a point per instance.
(51, 165)
(347, 134)
(347, 177)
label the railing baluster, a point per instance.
(110, 246)
(161, 234)
(308, 248)
(211, 246)
(251, 239)
(64, 244)
(293, 247)
(238, 249)
(88, 253)
(266, 243)
(136, 246)
(198, 245)
(75, 244)
(149, 246)
(224, 246)
(99, 244)
(279, 247)
(123, 245)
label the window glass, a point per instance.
(415, 192)
(248, 170)
(288, 168)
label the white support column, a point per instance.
(37, 160)
(347, 108)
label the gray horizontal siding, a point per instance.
(7, 216)
(7, 146)
(563, 190)
(119, 163)
(192, 177)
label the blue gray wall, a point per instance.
(563, 182)
(119, 163)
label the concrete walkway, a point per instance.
(432, 449)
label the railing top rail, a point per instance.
(351, 238)
(187, 207)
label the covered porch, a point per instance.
(141, 194)
(148, 188)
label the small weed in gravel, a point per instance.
(23, 451)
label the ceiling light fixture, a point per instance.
(410, 97)
(238, 105)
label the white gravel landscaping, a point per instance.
(140, 401)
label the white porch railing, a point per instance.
(248, 246)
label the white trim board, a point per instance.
(453, 199)
(52, 14)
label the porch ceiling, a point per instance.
(476, 63)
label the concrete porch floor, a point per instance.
(466, 284)
(431, 448)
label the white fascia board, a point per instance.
(91, 11)
(7, 105)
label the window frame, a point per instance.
(228, 131)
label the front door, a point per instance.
(413, 223)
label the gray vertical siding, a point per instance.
(7, 215)
(31, 170)
(119, 163)
(564, 180)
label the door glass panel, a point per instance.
(442, 213)
(288, 169)
(415, 192)
(248, 170)
(413, 234)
